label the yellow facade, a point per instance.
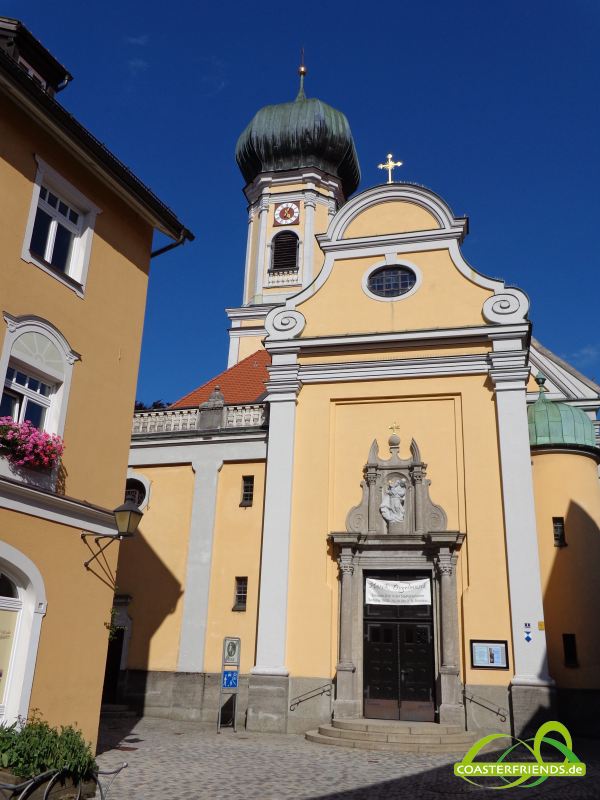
(59, 653)
(236, 553)
(152, 570)
(566, 486)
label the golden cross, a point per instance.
(394, 427)
(390, 165)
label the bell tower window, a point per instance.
(284, 252)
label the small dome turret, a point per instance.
(305, 133)
(553, 423)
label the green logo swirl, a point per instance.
(525, 774)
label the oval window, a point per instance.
(391, 281)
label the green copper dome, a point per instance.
(558, 423)
(305, 133)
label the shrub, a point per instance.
(26, 446)
(32, 748)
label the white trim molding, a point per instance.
(76, 275)
(19, 326)
(27, 635)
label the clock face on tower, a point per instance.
(287, 214)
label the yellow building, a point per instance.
(354, 497)
(76, 241)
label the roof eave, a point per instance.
(89, 150)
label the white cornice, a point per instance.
(18, 497)
(376, 341)
(314, 179)
(255, 330)
(257, 312)
(394, 368)
(183, 444)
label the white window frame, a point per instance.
(17, 326)
(31, 607)
(25, 393)
(75, 276)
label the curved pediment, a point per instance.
(395, 208)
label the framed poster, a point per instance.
(489, 654)
(231, 650)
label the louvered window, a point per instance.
(284, 256)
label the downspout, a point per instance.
(185, 234)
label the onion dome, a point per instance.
(305, 133)
(553, 423)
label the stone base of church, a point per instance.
(487, 708)
(268, 697)
(280, 704)
(531, 706)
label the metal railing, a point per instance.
(499, 711)
(184, 420)
(596, 423)
(317, 692)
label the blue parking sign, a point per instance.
(230, 679)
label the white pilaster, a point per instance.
(272, 609)
(509, 375)
(263, 216)
(310, 204)
(251, 216)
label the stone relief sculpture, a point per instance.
(395, 495)
(392, 507)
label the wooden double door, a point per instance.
(398, 663)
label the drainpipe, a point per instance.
(185, 234)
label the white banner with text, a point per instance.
(398, 593)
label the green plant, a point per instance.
(34, 747)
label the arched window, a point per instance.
(35, 373)
(284, 252)
(22, 607)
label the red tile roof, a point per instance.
(242, 383)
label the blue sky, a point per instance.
(492, 105)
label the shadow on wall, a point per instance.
(155, 592)
(572, 610)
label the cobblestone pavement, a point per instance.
(171, 760)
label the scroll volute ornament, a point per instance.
(395, 496)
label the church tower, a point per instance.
(300, 165)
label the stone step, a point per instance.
(395, 726)
(391, 747)
(464, 739)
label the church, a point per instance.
(390, 495)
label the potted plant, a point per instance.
(57, 764)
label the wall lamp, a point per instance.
(127, 517)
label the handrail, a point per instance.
(317, 692)
(499, 711)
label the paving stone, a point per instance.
(177, 760)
